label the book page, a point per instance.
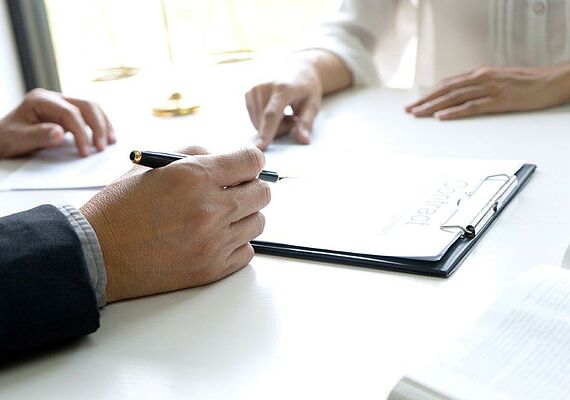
(390, 206)
(519, 349)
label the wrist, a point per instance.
(105, 244)
(300, 66)
(560, 82)
(565, 82)
(329, 70)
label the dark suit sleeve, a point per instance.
(46, 296)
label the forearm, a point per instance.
(46, 296)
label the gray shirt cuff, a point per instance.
(91, 251)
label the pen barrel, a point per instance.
(156, 159)
(153, 159)
(268, 176)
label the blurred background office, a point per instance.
(138, 53)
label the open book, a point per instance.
(519, 349)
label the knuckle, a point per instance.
(484, 72)
(72, 111)
(249, 253)
(255, 158)
(472, 106)
(193, 150)
(92, 105)
(233, 205)
(270, 113)
(265, 193)
(280, 87)
(260, 223)
(197, 172)
(203, 219)
(36, 93)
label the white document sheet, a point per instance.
(389, 206)
(519, 349)
(62, 168)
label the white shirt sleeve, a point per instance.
(354, 33)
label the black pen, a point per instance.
(156, 159)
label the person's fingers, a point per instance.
(247, 199)
(467, 109)
(194, 151)
(239, 258)
(233, 168)
(304, 127)
(451, 99)
(251, 106)
(94, 117)
(35, 137)
(287, 124)
(457, 77)
(261, 97)
(271, 119)
(246, 229)
(444, 88)
(52, 108)
(111, 135)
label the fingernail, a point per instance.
(305, 136)
(261, 145)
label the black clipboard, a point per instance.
(442, 268)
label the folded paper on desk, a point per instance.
(519, 349)
(62, 168)
(389, 213)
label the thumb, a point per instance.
(194, 150)
(38, 136)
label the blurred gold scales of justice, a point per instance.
(177, 104)
(113, 73)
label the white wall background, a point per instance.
(11, 82)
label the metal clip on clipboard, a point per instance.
(472, 226)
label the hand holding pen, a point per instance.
(186, 225)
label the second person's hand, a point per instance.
(298, 86)
(490, 90)
(42, 119)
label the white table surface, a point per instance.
(292, 329)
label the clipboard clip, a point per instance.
(471, 227)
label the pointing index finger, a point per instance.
(271, 119)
